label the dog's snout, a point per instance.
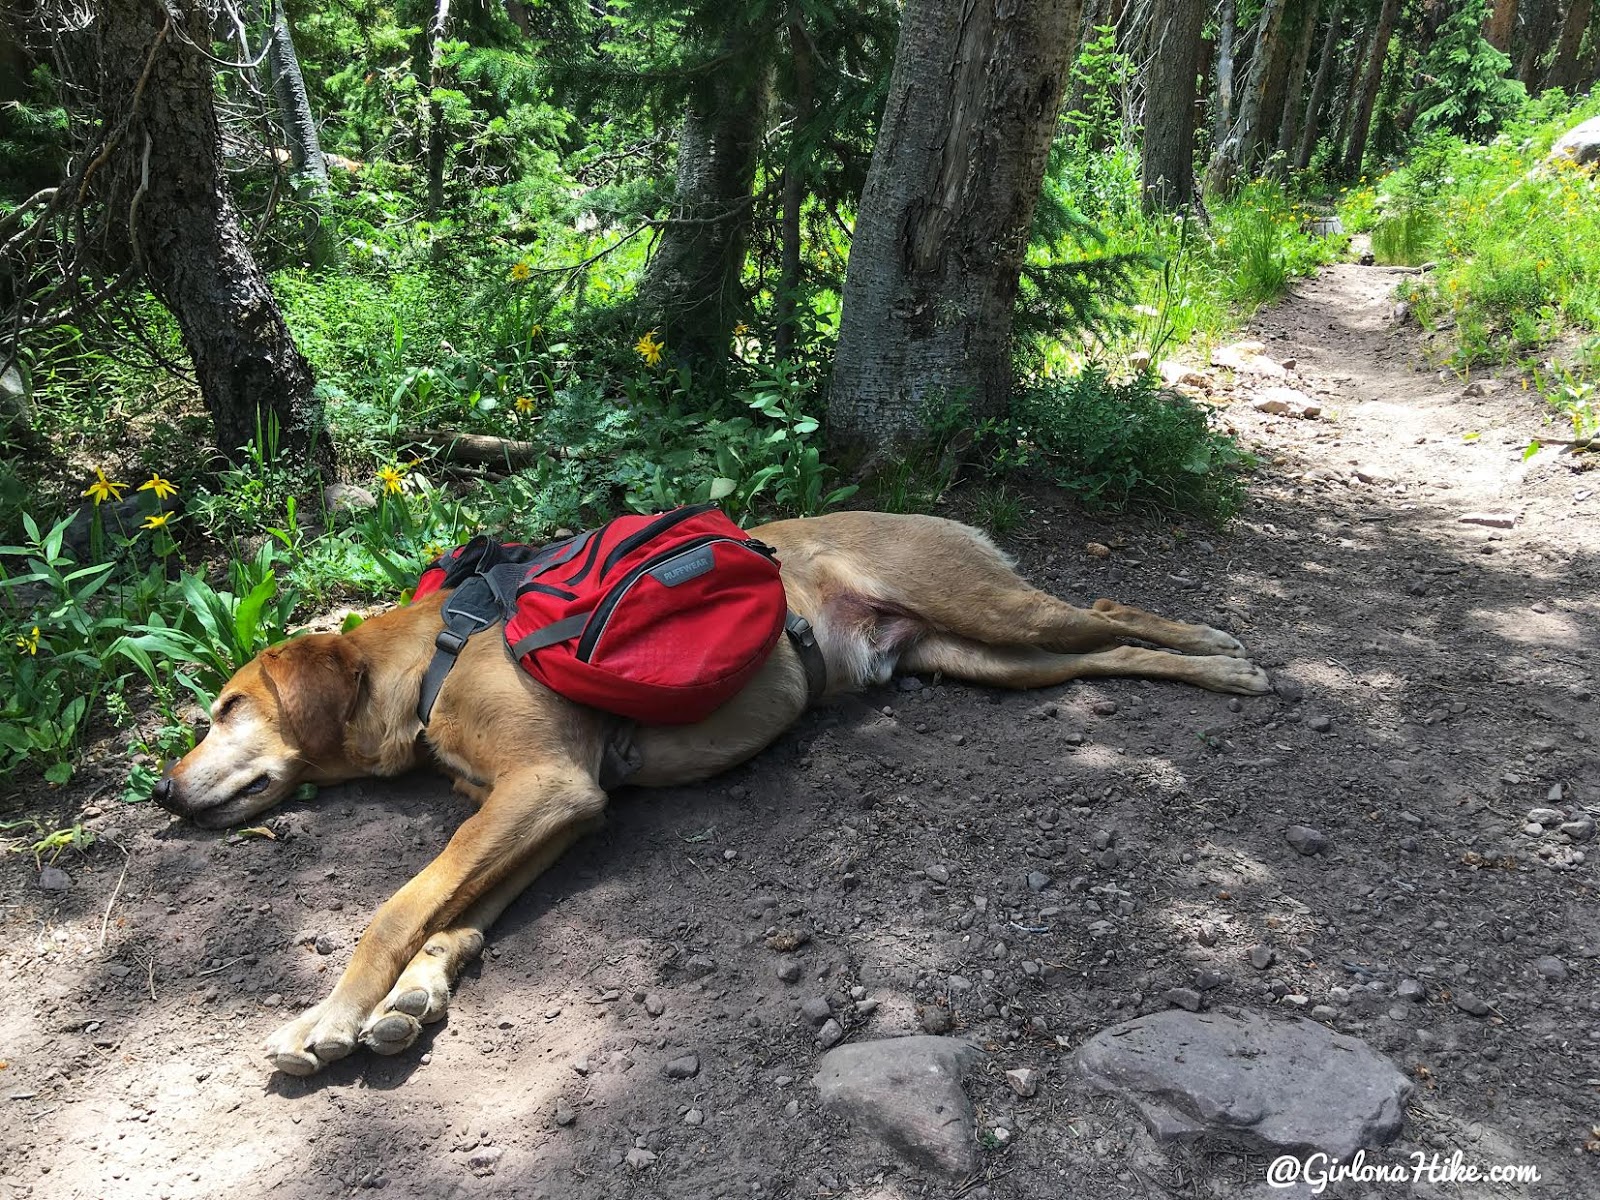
(165, 793)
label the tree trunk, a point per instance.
(1275, 86)
(1289, 128)
(161, 174)
(438, 139)
(1500, 24)
(794, 186)
(691, 287)
(1371, 80)
(294, 108)
(1540, 17)
(1563, 71)
(1319, 91)
(1167, 166)
(1238, 150)
(1222, 113)
(945, 215)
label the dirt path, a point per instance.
(1435, 684)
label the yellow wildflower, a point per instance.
(535, 330)
(432, 551)
(157, 520)
(161, 487)
(524, 404)
(649, 348)
(740, 329)
(28, 641)
(103, 489)
(390, 477)
(520, 273)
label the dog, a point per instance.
(882, 592)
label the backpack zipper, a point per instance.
(660, 525)
(597, 621)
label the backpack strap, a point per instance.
(804, 639)
(473, 606)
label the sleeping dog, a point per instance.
(881, 592)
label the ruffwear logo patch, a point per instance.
(684, 567)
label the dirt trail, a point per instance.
(1436, 683)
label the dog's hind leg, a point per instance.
(528, 818)
(422, 993)
(1032, 667)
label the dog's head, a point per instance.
(281, 721)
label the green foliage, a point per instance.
(1468, 88)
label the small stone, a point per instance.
(938, 873)
(816, 1010)
(1490, 520)
(1306, 840)
(1206, 935)
(1024, 1081)
(937, 1019)
(326, 943)
(54, 879)
(1038, 881)
(1288, 689)
(1262, 957)
(1185, 998)
(830, 1035)
(1546, 816)
(654, 1005)
(582, 1066)
(1105, 708)
(639, 1158)
(694, 1117)
(1551, 968)
(484, 1160)
(788, 969)
(1581, 830)
(1471, 1004)
(1319, 724)
(1097, 550)
(685, 1067)
(699, 966)
(1411, 989)
(1324, 1012)
(564, 1116)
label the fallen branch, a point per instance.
(484, 449)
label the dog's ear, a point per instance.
(317, 680)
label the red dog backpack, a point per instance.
(659, 618)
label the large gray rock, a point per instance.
(1580, 144)
(1265, 1085)
(906, 1092)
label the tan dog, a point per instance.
(919, 593)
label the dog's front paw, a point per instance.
(1236, 675)
(319, 1036)
(1214, 641)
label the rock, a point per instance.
(347, 498)
(1289, 689)
(1206, 935)
(1471, 1004)
(1482, 387)
(1580, 145)
(1024, 1081)
(1489, 519)
(1271, 406)
(1262, 957)
(1105, 708)
(816, 1010)
(1546, 816)
(907, 1093)
(564, 1116)
(684, 1067)
(639, 1158)
(1581, 830)
(1288, 402)
(1319, 724)
(54, 879)
(16, 407)
(1367, 473)
(1306, 840)
(1551, 968)
(1038, 881)
(694, 1117)
(937, 1019)
(1097, 550)
(1411, 989)
(788, 969)
(1247, 358)
(1177, 374)
(699, 966)
(654, 1005)
(1266, 1085)
(484, 1160)
(327, 943)
(938, 873)
(1186, 998)
(831, 1034)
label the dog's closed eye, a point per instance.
(228, 705)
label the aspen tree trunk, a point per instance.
(1167, 163)
(1371, 80)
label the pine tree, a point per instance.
(1468, 89)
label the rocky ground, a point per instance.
(1397, 845)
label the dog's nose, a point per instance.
(165, 794)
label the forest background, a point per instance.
(295, 295)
